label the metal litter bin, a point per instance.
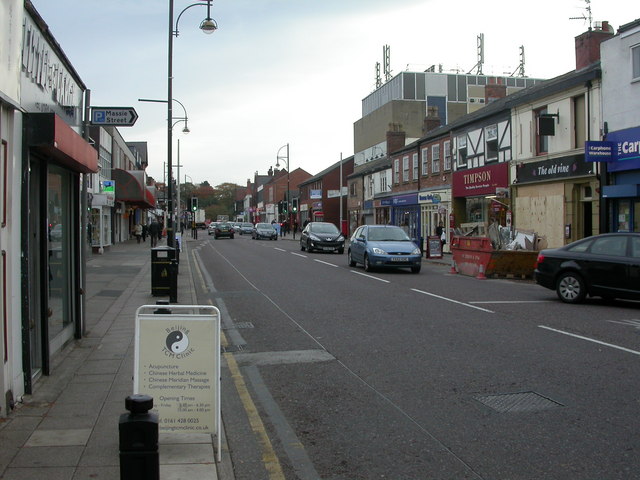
(164, 273)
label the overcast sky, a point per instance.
(293, 71)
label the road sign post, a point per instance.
(113, 116)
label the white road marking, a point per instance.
(452, 301)
(370, 276)
(514, 301)
(298, 254)
(630, 323)
(591, 340)
(326, 263)
(279, 249)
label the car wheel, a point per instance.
(309, 249)
(276, 238)
(215, 236)
(231, 237)
(302, 247)
(415, 269)
(571, 288)
(367, 265)
(350, 259)
(340, 251)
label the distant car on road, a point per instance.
(222, 229)
(384, 246)
(246, 227)
(264, 230)
(606, 266)
(323, 236)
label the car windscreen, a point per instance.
(264, 225)
(250, 225)
(323, 228)
(388, 234)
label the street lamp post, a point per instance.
(286, 158)
(208, 25)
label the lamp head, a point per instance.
(208, 25)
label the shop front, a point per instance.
(622, 194)
(435, 206)
(405, 213)
(55, 157)
(557, 199)
(481, 198)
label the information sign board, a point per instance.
(177, 362)
(434, 246)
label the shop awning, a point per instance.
(131, 188)
(48, 134)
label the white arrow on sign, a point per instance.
(113, 116)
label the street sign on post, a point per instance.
(113, 116)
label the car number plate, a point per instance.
(327, 248)
(397, 259)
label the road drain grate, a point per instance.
(518, 402)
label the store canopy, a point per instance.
(48, 134)
(131, 188)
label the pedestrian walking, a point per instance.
(137, 232)
(295, 229)
(145, 232)
(154, 232)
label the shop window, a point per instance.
(435, 158)
(447, 155)
(415, 166)
(4, 152)
(542, 140)
(579, 122)
(491, 141)
(635, 62)
(462, 150)
(405, 169)
(396, 171)
(425, 160)
(383, 182)
(352, 189)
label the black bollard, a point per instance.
(139, 458)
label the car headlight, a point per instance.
(378, 251)
(340, 239)
(416, 251)
(313, 237)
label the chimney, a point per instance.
(270, 172)
(395, 137)
(494, 90)
(432, 120)
(588, 44)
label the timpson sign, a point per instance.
(480, 181)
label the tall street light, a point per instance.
(185, 130)
(208, 25)
(278, 158)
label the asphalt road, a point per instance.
(350, 375)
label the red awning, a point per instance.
(49, 134)
(131, 188)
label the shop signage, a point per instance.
(434, 197)
(410, 199)
(627, 149)
(599, 151)
(317, 205)
(557, 168)
(177, 362)
(480, 181)
(108, 186)
(315, 194)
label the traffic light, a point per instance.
(280, 207)
(194, 204)
(294, 205)
(284, 206)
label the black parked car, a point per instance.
(222, 229)
(264, 230)
(606, 266)
(323, 236)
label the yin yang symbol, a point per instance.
(177, 341)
